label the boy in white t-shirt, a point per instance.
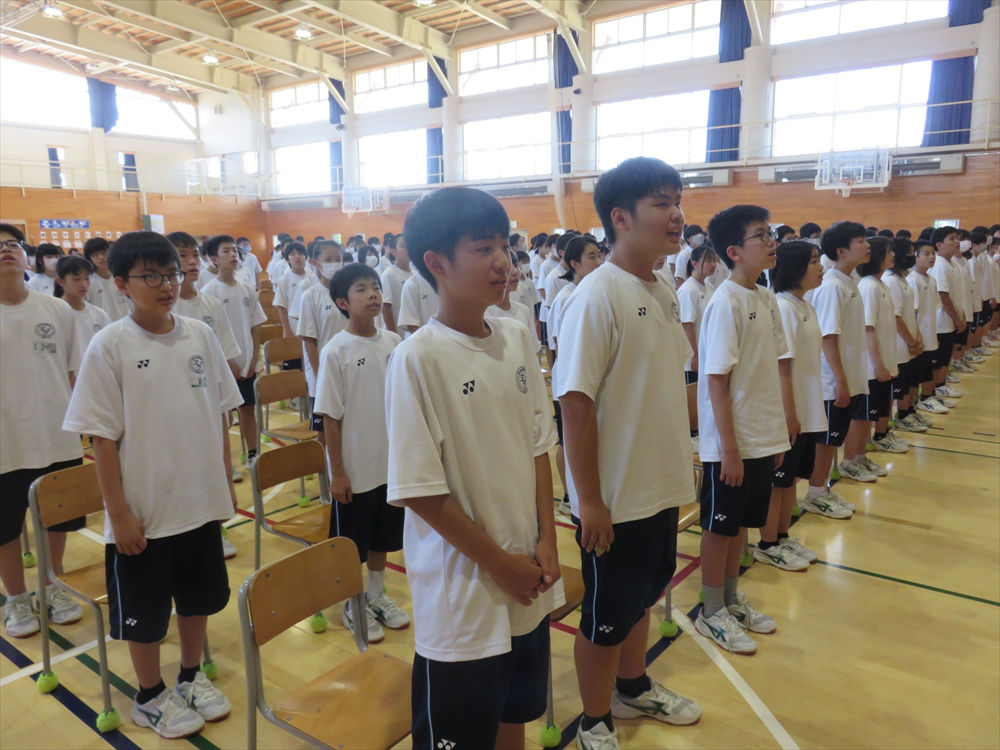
(620, 385)
(249, 261)
(350, 397)
(745, 420)
(103, 293)
(693, 295)
(469, 434)
(393, 279)
(289, 286)
(38, 358)
(951, 323)
(154, 392)
(418, 305)
(909, 343)
(73, 275)
(926, 302)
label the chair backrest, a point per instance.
(266, 285)
(68, 494)
(269, 332)
(278, 350)
(280, 386)
(300, 585)
(289, 462)
(272, 315)
(266, 297)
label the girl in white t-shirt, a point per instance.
(72, 283)
(909, 342)
(693, 296)
(46, 257)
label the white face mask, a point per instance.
(963, 247)
(376, 245)
(329, 269)
(50, 262)
(371, 260)
(815, 241)
(696, 240)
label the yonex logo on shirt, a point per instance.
(753, 316)
(45, 330)
(361, 362)
(208, 320)
(642, 312)
(468, 387)
(142, 363)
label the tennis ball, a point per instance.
(317, 623)
(796, 510)
(304, 501)
(551, 737)
(210, 669)
(669, 629)
(28, 559)
(108, 721)
(47, 682)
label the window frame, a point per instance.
(464, 74)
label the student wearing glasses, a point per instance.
(154, 392)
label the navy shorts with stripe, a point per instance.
(370, 522)
(724, 509)
(14, 486)
(798, 462)
(838, 420)
(876, 404)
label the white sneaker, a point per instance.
(924, 419)
(960, 365)
(948, 392)
(973, 358)
(19, 620)
(228, 548)
(931, 405)
(657, 703)
(695, 445)
(825, 504)
(726, 631)
(204, 697)
(168, 715)
(565, 509)
(796, 547)
(749, 618)
(598, 737)
(388, 613)
(902, 443)
(375, 632)
(780, 557)
(983, 351)
(237, 474)
(63, 609)
(857, 471)
(911, 423)
(872, 467)
(889, 445)
(947, 403)
(953, 378)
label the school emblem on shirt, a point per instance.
(676, 310)
(45, 330)
(197, 364)
(208, 320)
(97, 327)
(521, 378)
(753, 316)
(246, 302)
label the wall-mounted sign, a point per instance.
(64, 223)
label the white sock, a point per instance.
(376, 578)
(815, 492)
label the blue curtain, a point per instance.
(435, 137)
(723, 140)
(129, 173)
(962, 12)
(564, 69)
(336, 166)
(435, 91)
(951, 81)
(336, 111)
(103, 104)
(55, 173)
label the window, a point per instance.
(796, 20)
(145, 114)
(507, 65)
(299, 104)
(130, 175)
(390, 88)
(68, 101)
(508, 146)
(680, 32)
(302, 169)
(626, 129)
(57, 154)
(853, 109)
(393, 159)
(251, 162)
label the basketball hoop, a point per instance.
(845, 187)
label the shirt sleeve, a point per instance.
(388, 292)
(258, 316)
(307, 325)
(940, 274)
(74, 352)
(229, 392)
(789, 325)
(281, 293)
(719, 342)
(896, 295)
(870, 298)
(96, 406)
(686, 298)
(408, 315)
(587, 340)
(330, 396)
(826, 300)
(544, 435)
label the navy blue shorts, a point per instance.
(690, 376)
(246, 390)
(370, 522)
(876, 404)
(798, 462)
(941, 356)
(14, 487)
(906, 379)
(838, 420)
(724, 509)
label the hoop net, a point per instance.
(845, 187)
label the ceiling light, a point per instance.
(92, 67)
(424, 3)
(51, 11)
(302, 32)
(209, 58)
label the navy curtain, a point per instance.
(55, 173)
(336, 111)
(435, 91)
(129, 173)
(723, 140)
(435, 137)
(962, 12)
(103, 104)
(336, 166)
(564, 69)
(951, 81)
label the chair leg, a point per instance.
(109, 719)
(47, 679)
(551, 736)
(28, 558)
(208, 666)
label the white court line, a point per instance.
(769, 720)
(92, 535)
(34, 668)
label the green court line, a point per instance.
(269, 513)
(909, 583)
(960, 453)
(959, 437)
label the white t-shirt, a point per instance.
(968, 301)
(554, 281)
(926, 303)
(161, 397)
(419, 302)
(841, 312)
(879, 315)
(945, 274)
(276, 267)
(742, 336)
(903, 307)
(209, 274)
(89, 321)
(556, 310)
(319, 319)
(527, 295)
(621, 344)
(517, 312)
(38, 350)
(243, 309)
(982, 278)
(720, 274)
(351, 389)
(467, 417)
(104, 293)
(209, 310)
(805, 346)
(393, 279)
(693, 297)
(295, 287)
(287, 287)
(681, 263)
(535, 260)
(543, 272)
(42, 284)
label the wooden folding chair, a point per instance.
(277, 351)
(55, 498)
(276, 388)
(266, 285)
(266, 297)
(363, 702)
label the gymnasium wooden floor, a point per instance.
(891, 640)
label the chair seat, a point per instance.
(339, 708)
(89, 581)
(312, 526)
(573, 584)
(689, 515)
(297, 432)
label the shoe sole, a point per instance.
(635, 713)
(818, 512)
(710, 637)
(66, 622)
(229, 557)
(768, 561)
(149, 726)
(370, 639)
(392, 627)
(23, 635)
(218, 718)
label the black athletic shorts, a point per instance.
(370, 522)
(941, 356)
(924, 370)
(557, 416)
(628, 579)
(185, 571)
(905, 380)
(690, 376)
(14, 500)
(461, 704)
(838, 420)
(876, 404)
(315, 420)
(246, 390)
(972, 325)
(961, 339)
(798, 462)
(724, 509)
(292, 364)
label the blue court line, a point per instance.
(69, 700)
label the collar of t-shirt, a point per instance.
(469, 342)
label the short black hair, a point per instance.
(13, 231)
(783, 231)
(438, 221)
(551, 240)
(901, 249)
(211, 246)
(939, 234)
(978, 236)
(95, 245)
(691, 230)
(727, 227)
(873, 266)
(284, 237)
(342, 281)
(71, 264)
(294, 247)
(886, 233)
(564, 239)
(919, 245)
(926, 232)
(46, 248)
(628, 183)
(181, 239)
(373, 239)
(318, 245)
(522, 256)
(539, 239)
(513, 239)
(871, 230)
(994, 228)
(144, 247)
(364, 252)
(904, 233)
(242, 239)
(808, 229)
(790, 268)
(840, 235)
(574, 250)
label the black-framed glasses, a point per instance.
(154, 279)
(12, 245)
(764, 236)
